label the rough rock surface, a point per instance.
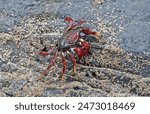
(119, 65)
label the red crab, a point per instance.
(73, 40)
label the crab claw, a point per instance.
(81, 51)
(78, 52)
(85, 44)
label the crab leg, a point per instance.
(64, 66)
(90, 32)
(71, 24)
(44, 53)
(78, 24)
(49, 66)
(70, 20)
(72, 59)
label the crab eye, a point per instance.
(81, 34)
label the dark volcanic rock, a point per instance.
(119, 62)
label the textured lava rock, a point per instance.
(118, 65)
